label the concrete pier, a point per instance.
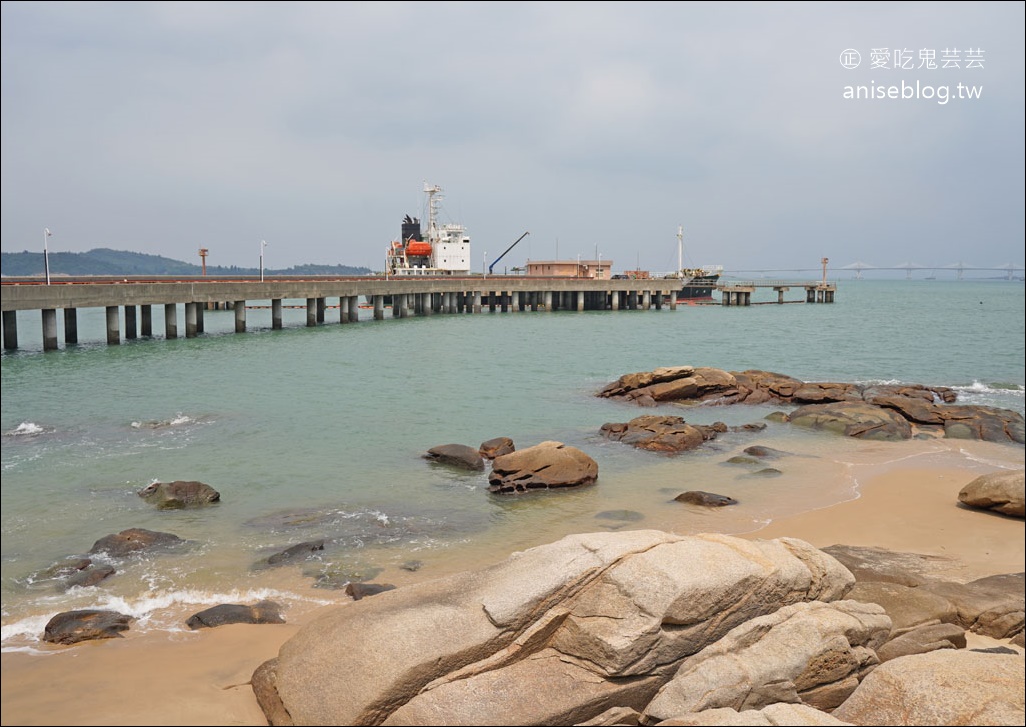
(422, 296)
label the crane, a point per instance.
(507, 250)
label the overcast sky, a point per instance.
(597, 127)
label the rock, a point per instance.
(657, 433)
(456, 455)
(992, 606)
(706, 499)
(496, 447)
(296, 552)
(356, 591)
(556, 634)
(907, 607)
(71, 627)
(921, 639)
(88, 576)
(879, 564)
(794, 715)
(948, 687)
(263, 612)
(543, 466)
(853, 419)
(1001, 491)
(762, 452)
(179, 494)
(810, 653)
(134, 540)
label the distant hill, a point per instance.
(102, 261)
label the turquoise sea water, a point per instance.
(318, 433)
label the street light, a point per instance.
(46, 255)
(263, 244)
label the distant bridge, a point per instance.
(960, 267)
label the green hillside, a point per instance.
(102, 261)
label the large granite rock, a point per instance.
(543, 466)
(810, 653)
(556, 634)
(853, 419)
(1002, 492)
(456, 455)
(945, 687)
(262, 612)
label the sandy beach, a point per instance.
(202, 678)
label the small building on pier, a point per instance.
(591, 269)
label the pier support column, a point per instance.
(379, 307)
(491, 301)
(810, 295)
(322, 305)
(50, 329)
(200, 307)
(9, 330)
(514, 301)
(311, 312)
(547, 300)
(477, 302)
(131, 325)
(70, 326)
(240, 316)
(170, 320)
(343, 309)
(580, 300)
(646, 300)
(276, 313)
(113, 332)
(427, 305)
(192, 314)
(354, 308)
(673, 299)
(614, 300)
(146, 319)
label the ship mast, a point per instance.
(680, 251)
(434, 193)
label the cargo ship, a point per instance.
(443, 249)
(696, 283)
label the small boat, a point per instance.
(444, 249)
(696, 283)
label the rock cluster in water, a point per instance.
(879, 411)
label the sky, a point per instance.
(599, 128)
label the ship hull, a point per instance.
(698, 288)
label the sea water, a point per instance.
(318, 434)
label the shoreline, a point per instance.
(201, 678)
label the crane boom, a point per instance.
(507, 250)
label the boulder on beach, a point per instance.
(461, 456)
(661, 433)
(71, 627)
(547, 465)
(1001, 492)
(134, 540)
(262, 612)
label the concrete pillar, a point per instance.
(491, 301)
(146, 312)
(379, 307)
(276, 313)
(547, 300)
(477, 302)
(673, 299)
(428, 305)
(343, 309)
(199, 318)
(311, 312)
(354, 308)
(50, 329)
(240, 316)
(192, 313)
(170, 320)
(10, 318)
(70, 326)
(646, 300)
(580, 300)
(113, 332)
(614, 300)
(131, 325)
(322, 305)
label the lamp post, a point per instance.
(46, 255)
(263, 244)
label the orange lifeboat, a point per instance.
(418, 248)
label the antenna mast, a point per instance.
(680, 251)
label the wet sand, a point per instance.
(201, 678)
